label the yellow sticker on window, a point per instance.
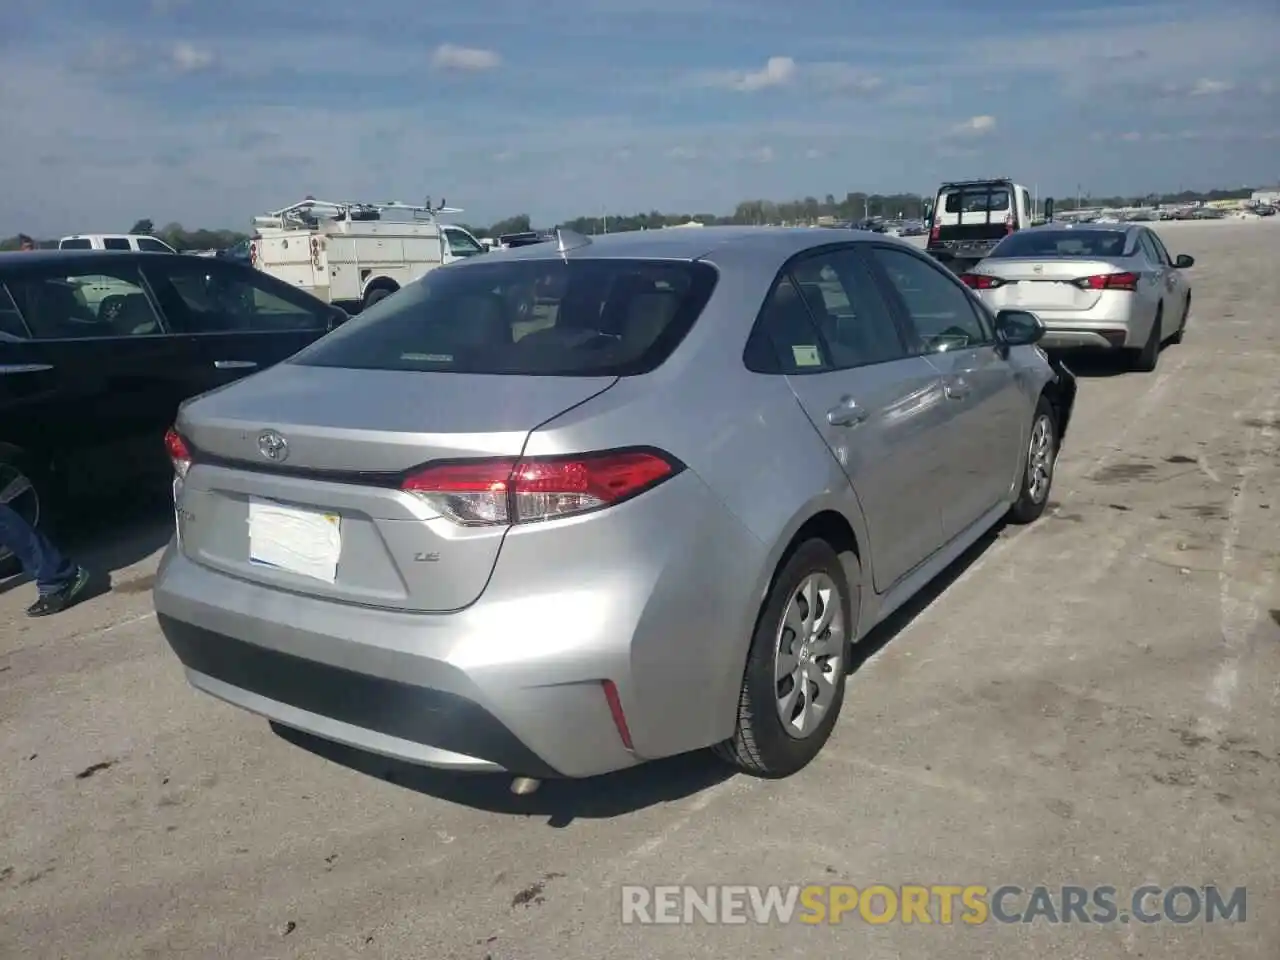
(806, 356)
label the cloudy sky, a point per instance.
(209, 111)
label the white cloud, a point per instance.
(978, 126)
(1205, 87)
(812, 154)
(447, 56)
(683, 153)
(777, 72)
(1132, 136)
(190, 59)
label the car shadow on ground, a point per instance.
(614, 794)
(560, 801)
(110, 537)
(1093, 364)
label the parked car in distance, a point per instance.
(138, 243)
(653, 517)
(97, 349)
(1108, 286)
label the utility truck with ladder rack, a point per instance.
(354, 254)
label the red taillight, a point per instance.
(1008, 224)
(936, 232)
(976, 281)
(1108, 281)
(487, 492)
(179, 452)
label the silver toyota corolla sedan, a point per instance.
(566, 508)
(1095, 285)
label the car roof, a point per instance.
(690, 243)
(35, 258)
(1091, 225)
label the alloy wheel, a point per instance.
(1040, 457)
(809, 654)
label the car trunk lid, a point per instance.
(310, 500)
(1035, 284)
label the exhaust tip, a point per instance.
(523, 786)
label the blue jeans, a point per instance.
(43, 562)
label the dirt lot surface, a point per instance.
(1089, 700)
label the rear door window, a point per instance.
(102, 301)
(544, 317)
(148, 245)
(212, 296)
(115, 243)
(977, 199)
(843, 298)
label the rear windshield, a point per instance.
(1061, 243)
(546, 317)
(978, 199)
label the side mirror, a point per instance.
(1018, 328)
(336, 319)
(1048, 208)
(928, 214)
(1183, 261)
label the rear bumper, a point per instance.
(515, 682)
(389, 717)
(1103, 328)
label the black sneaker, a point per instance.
(59, 600)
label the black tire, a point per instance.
(15, 468)
(1182, 327)
(1038, 466)
(376, 294)
(1145, 359)
(762, 745)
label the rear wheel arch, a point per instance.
(378, 288)
(833, 528)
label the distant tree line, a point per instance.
(854, 207)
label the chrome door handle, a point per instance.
(15, 368)
(847, 414)
(956, 389)
(234, 364)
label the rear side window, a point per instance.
(79, 243)
(583, 318)
(977, 200)
(115, 243)
(1062, 243)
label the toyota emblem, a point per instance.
(273, 446)
(1037, 269)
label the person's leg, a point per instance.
(59, 581)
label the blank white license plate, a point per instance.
(1033, 293)
(305, 542)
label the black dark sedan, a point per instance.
(98, 348)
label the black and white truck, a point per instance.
(969, 217)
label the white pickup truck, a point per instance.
(115, 241)
(969, 217)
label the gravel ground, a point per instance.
(1090, 700)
